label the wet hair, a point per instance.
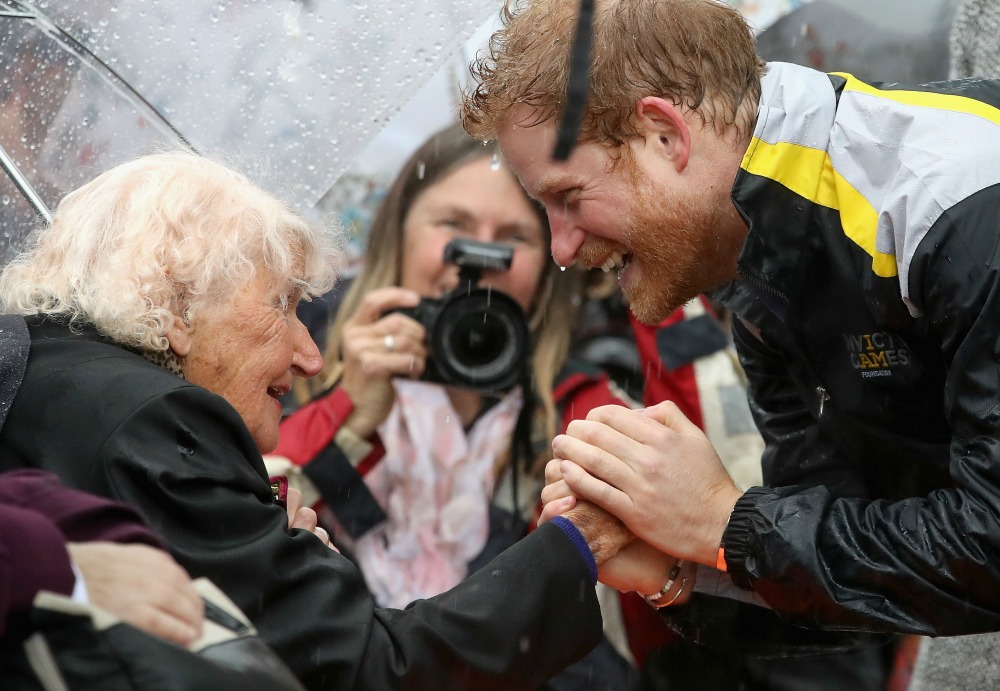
(156, 238)
(553, 309)
(698, 54)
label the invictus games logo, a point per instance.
(876, 354)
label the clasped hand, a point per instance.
(655, 471)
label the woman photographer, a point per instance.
(425, 483)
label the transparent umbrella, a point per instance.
(287, 90)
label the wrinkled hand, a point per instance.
(656, 471)
(605, 534)
(557, 498)
(305, 518)
(369, 365)
(142, 586)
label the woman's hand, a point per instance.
(557, 498)
(305, 518)
(375, 349)
(142, 586)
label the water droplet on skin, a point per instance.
(562, 268)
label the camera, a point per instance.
(477, 337)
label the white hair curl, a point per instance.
(157, 237)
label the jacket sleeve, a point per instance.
(929, 564)
(33, 557)
(38, 516)
(311, 428)
(308, 437)
(187, 460)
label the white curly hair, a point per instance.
(157, 237)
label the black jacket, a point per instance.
(107, 421)
(868, 322)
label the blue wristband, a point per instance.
(579, 542)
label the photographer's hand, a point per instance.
(375, 349)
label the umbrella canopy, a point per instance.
(287, 90)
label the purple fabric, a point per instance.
(576, 537)
(38, 516)
(33, 557)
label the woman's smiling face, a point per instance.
(247, 350)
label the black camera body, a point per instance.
(477, 338)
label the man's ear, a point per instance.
(179, 337)
(665, 129)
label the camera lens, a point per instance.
(481, 341)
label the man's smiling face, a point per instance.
(626, 210)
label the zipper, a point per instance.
(757, 283)
(823, 398)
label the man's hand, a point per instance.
(656, 471)
(645, 569)
(142, 586)
(557, 497)
(637, 567)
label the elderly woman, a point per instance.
(162, 316)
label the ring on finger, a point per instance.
(390, 342)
